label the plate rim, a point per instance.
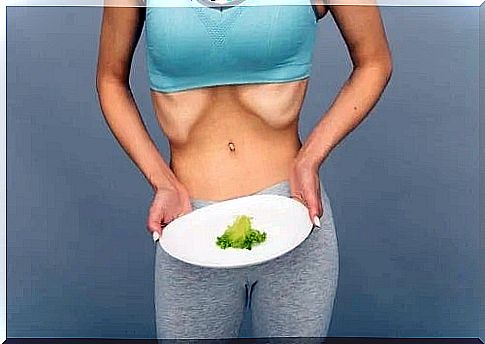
(222, 203)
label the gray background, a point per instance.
(404, 186)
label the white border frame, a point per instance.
(3, 101)
(3, 175)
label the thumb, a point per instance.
(187, 207)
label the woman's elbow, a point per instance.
(388, 66)
(107, 83)
(101, 81)
(386, 63)
(382, 67)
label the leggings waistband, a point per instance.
(281, 188)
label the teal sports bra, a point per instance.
(191, 45)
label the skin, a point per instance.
(260, 120)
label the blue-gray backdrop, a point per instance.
(482, 170)
(404, 186)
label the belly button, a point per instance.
(231, 146)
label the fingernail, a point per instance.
(156, 236)
(316, 221)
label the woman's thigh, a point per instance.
(197, 302)
(293, 295)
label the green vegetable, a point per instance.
(240, 234)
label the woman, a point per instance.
(227, 83)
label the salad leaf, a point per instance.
(240, 234)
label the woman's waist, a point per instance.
(233, 171)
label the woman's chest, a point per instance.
(218, 110)
(252, 33)
(197, 46)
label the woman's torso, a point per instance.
(234, 139)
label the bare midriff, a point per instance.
(231, 140)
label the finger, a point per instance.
(187, 208)
(313, 210)
(298, 197)
(156, 222)
(314, 218)
(173, 214)
(155, 236)
(153, 225)
(319, 200)
(319, 208)
(155, 229)
(169, 219)
(319, 204)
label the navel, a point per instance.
(231, 146)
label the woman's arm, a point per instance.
(120, 31)
(364, 35)
(363, 32)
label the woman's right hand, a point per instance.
(169, 202)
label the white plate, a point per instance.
(192, 238)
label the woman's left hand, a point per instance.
(304, 183)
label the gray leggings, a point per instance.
(290, 296)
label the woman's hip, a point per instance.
(320, 245)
